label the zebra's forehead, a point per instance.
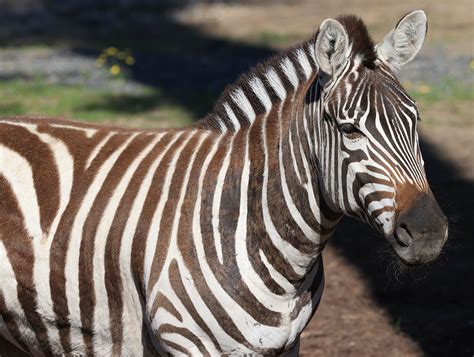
(362, 91)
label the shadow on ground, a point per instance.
(189, 66)
(433, 307)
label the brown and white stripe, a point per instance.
(204, 240)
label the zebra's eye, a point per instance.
(347, 128)
(350, 131)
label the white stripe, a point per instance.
(9, 290)
(65, 168)
(276, 276)
(154, 232)
(73, 252)
(132, 318)
(297, 260)
(97, 148)
(275, 82)
(303, 61)
(182, 341)
(290, 72)
(260, 91)
(216, 202)
(101, 328)
(222, 127)
(233, 119)
(250, 277)
(18, 172)
(239, 98)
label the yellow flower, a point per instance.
(471, 64)
(115, 69)
(111, 51)
(99, 62)
(424, 89)
(129, 60)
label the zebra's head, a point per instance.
(368, 150)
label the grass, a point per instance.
(448, 103)
(152, 108)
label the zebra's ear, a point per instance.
(331, 47)
(404, 42)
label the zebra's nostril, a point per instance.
(405, 227)
(398, 240)
(403, 236)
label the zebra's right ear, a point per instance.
(331, 47)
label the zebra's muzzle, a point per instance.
(420, 232)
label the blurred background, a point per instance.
(163, 63)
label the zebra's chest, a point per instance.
(198, 310)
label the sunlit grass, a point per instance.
(153, 108)
(446, 103)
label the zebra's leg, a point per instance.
(8, 349)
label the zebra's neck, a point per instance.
(268, 114)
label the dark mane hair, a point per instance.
(361, 41)
(361, 44)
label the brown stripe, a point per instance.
(21, 256)
(163, 302)
(167, 328)
(89, 234)
(149, 207)
(257, 237)
(44, 170)
(113, 267)
(59, 246)
(176, 282)
(166, 221)
(176, 347)
(9, 319)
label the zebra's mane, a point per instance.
(251, 94)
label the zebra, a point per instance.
(207, 240)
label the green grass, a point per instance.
(153, 108)
(447, 103)
(449, 89)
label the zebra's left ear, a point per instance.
(404, 42)
(331, 47)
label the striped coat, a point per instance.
(204, 240)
